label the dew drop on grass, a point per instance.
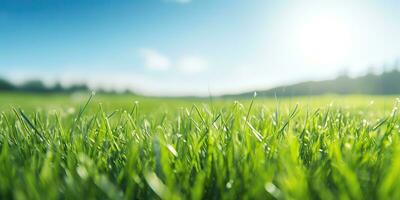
(156, 184)
(172, 150)
(272, 189)
(82, 172)
(71, 110)
(229, 184)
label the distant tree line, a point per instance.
(386, 83)
(37, 86)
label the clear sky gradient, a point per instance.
(195, 47)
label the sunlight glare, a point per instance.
(323, 39)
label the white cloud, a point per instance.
(192, 64)
(154, 60)
(179, 1)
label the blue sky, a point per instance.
(186, 47)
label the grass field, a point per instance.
(129, 147)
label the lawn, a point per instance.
(60, 146)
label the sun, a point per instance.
(323, 39)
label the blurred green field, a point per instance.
(34, 102)
(129, 147)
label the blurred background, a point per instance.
(200, 47)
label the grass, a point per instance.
(128, 147)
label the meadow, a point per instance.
(83, 146)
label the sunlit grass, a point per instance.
(127, 147)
